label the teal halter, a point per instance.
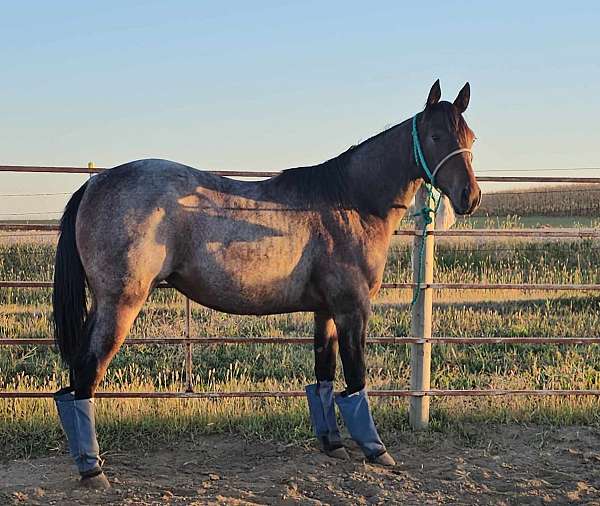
(418, 151)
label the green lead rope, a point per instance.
(425, 211)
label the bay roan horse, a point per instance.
(310, 239)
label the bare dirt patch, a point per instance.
(482, 465)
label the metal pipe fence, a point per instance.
(270, 173)
(544, 233)
(261, 394)
(524, 287)
(421, 341)
(137, 341)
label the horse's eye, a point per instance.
(435, 138)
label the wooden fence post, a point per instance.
(188, 348)
(420, 354)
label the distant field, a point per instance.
(563, 200)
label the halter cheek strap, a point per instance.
(420, 157)
(446, 158)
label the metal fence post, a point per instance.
(188, 347)
(420, 354)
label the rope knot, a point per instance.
(427, 213)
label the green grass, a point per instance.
(29, 427)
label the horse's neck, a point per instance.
(383, 175)
(401, 205)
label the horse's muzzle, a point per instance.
(470, 200)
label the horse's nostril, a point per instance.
(465, 198)
(469, 200)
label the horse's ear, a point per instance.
(462, 99)
(435, 93)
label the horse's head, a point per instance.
(446, 143)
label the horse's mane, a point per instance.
(328, 183)
(323, 184)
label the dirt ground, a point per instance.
(483, 465)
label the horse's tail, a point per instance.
(69, 298)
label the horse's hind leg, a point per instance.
(110, 322)
(106, 329)
(320, 394)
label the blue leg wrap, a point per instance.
(322, 414)
(77, 419)
(359, 422)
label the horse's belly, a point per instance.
(257, 302)
(267, 276)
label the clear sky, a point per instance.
(268, 85)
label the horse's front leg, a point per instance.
(320, 394)
(353, 402)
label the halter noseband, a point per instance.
(420, 157)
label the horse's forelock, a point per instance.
(453, 120)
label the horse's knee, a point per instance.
(353, 321)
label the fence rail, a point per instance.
(469, 341)
(546, 233)
(271, 173)
(571, 287)
(421, 342)
(301, 393)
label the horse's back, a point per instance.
(228, 244)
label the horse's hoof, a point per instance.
(385, 459)
(338, 453)
(98, 482)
